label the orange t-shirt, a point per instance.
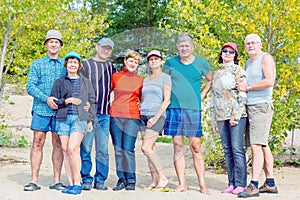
(127, 87)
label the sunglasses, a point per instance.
(228, 51)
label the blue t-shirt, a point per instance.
(186, 82)
(153, 94)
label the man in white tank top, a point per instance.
(260, 72)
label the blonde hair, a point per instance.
(133, 54)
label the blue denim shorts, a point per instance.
(70, 125)
(43, 123)
(183, 122)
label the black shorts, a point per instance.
(157, 127)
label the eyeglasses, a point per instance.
(228, 51)
(73, 62)
(252, 43)
(106, 48)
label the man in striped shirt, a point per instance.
(99, 70)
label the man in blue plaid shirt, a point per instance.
(42, 74)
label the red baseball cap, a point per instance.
(230, 44)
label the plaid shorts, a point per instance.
(183, 122)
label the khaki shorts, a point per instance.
(260, 119)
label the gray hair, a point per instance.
(185, 37)
(253, 35)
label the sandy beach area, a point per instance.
(15, 170)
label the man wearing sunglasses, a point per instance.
(260, 71)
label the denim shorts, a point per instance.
(70, 125)
(183, 122)
(43, 123)
(157, 127)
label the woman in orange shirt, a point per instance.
(125, 120)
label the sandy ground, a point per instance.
(15, 170)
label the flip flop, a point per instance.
(57, 186)
(150, 187)
(31, 187)
(161, 189)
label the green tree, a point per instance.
(126, 15)
(213, 23)
(25, 23)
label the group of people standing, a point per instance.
(72, 100)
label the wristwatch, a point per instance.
(248, 88)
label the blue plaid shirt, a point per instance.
(42, 74)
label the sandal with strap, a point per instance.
(31, 187)
(57, 186)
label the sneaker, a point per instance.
(265, 188)
(68, 188)
(120, 185)
(76, 189)
(228, 190)
(100, 186)
(86, 186)
(250, 191)
(238, 189)
(130, 186)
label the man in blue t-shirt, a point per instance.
(184, 111)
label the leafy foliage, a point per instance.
(80, 28)
(213, 23)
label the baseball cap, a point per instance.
(230, 44)
(72, 55)
(154, 53)
(106, 42)
(54, 34)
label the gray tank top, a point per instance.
(254, 74)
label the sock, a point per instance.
(255, 183)
(270, 182)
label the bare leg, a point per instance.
(179, 162)
(148, 148)
(64, 143)
(36, 154)
(74, 156)
(257, 161)
(199, 165)
(57, 157)
(268, 162)
(154, 176)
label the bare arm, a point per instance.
(268, 67)
(207, 86)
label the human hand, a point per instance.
(87, 106)
(89, 127)
(73, 100)
(151, 122)
(51, 103)
(233, 123)
(215, 128)
(241, 86)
